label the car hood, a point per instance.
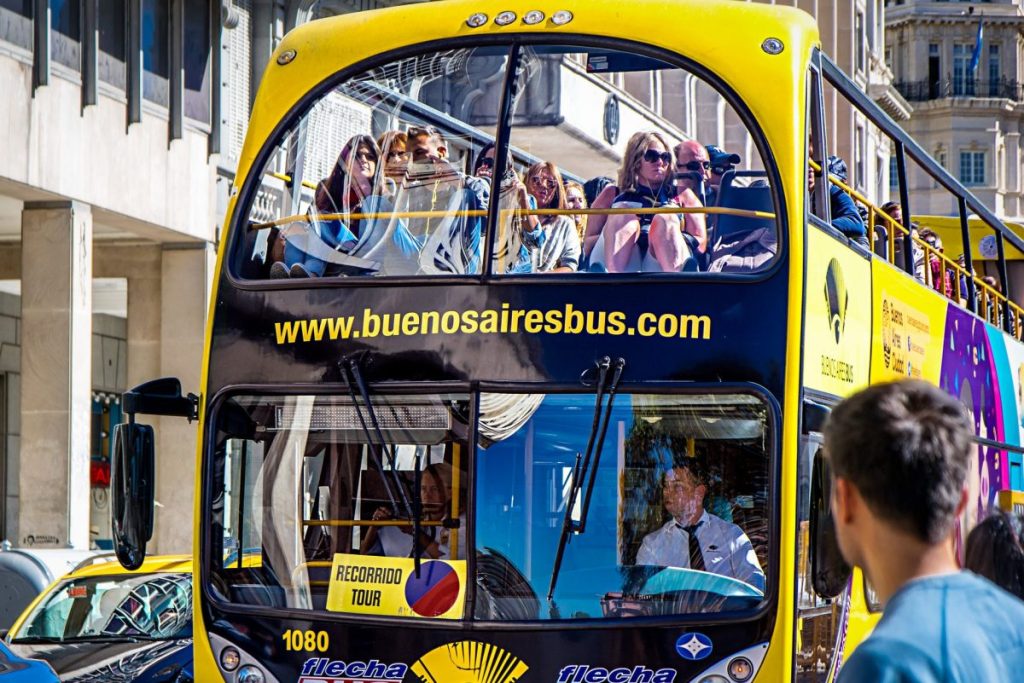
(140, 662)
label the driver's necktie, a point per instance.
(696, 556)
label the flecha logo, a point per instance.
(581, 673)
(326, 670)
(469, 662)
(693, 646)
(836, 298)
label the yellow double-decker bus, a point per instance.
(455, 427)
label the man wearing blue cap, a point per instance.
(721, 163)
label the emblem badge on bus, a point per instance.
(470, 661)
(694, 646)
(836, 298)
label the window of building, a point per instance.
(934, 70)
(963, 78)
(993, 71)
(860, 38)
(16, 22)
(155, 50)
(112, 50)
(972, 168)
(197, 60)
(66, 27)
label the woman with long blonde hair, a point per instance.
(644, 242)
(552, 242)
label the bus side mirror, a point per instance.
(829, 571)
(131, 492)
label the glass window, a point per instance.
(197, 60)
(972, 168)
(106, 608)
(417, 205)
(673, 520)
(155, 50)
(578, 141)
(303, 489)
(65, 26)
(376, 176)
(963, 76)
(993, 71)
(16, 22)
(112, 49)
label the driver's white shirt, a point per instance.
(726, 549)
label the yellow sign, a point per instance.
(908, 329)
(390, 586)
(837, 326)
(469, 662)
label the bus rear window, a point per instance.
(608, 168)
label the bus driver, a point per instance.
(694, 538)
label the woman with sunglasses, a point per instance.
(644, 242)
(394, 150)
(551, 241)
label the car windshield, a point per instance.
(331, 504)
(105, 608)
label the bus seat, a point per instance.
(741, 243)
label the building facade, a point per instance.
(960, 65)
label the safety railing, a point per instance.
(991, 302)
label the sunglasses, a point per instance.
(544, 182)
(486, 162)
(653, 157)
(697, 165)
(395, 154)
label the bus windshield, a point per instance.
(318, 509)
(392, 172)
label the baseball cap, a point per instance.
(719, 157)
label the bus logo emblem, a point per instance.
(836, 298)
(693, 646)
(469, 662)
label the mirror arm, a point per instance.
(160, 397)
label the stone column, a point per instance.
(56, 361)
(187, 271)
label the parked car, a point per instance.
(27, 572)
(105, 623)
(15, 669)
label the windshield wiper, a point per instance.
(35, 640)
(599, 429)
(354, 379)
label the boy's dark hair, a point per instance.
(993, 550)
(906, 447)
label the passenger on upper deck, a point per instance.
(643, 242)
(993, 550)
(693, 175)
(551, 241)
(721, 163)
(845, 217)
(484, 166)
(353, 187)
(455, 206)
(394, 150)
(576, 198)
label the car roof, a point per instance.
(166, 564)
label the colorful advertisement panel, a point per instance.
(837, 333)
(390, 586)
(907, 327)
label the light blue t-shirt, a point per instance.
(950, 628)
